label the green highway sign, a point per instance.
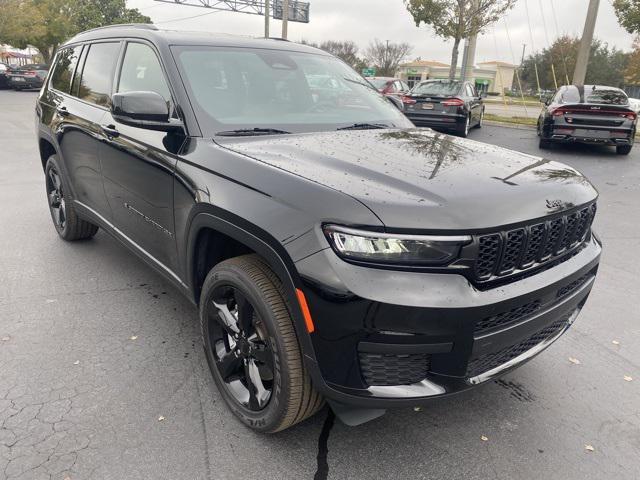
(369, 72)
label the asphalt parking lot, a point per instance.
(102, 375)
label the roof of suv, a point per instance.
(179, 37)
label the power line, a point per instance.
(513, 56)
(564, 58)
(533, 48)
(546, 37)
(187, 18)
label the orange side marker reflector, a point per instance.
(305, 311)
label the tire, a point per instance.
(479, 124)
(543, 143)
(463, 130)
(244, 292)
(623, 149)
(69, 226)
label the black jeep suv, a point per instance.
(333, 250)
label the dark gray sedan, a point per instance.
(588, 114)
(445, 105)
(28, 76)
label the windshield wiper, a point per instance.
(368, 85)
(364, 126)
(248, 132)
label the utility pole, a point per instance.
(524, 47)
(285, 18)
(469, 53)
(582, 60)
(266, 18)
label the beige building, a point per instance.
(491, 77)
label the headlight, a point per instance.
(394, 248)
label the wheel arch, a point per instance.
(213, 228)
(47, 149)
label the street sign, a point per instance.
(368, 72)
(298, 11)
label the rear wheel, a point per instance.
(65, 219)
(623, 149)
(252, 347)
(463, 129)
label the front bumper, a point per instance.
(433, 334)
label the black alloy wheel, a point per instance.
(240, 348)
(55, 195)
(63, 214)
(252, 346)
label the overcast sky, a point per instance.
(363, 20)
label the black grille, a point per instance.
(490, 361)
(507, 318)
(573, 286)
(389, 369)
(512, 251)
(487, 255)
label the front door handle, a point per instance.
(62, 110)
(110, 130)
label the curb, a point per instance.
(515, 126)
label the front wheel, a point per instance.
(252, 347)
(480, 120)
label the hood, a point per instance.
(424, 180)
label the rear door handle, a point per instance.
(62, 110)
(110, 130)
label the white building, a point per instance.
(491, 77)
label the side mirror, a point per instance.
(396, 102)
(545, 99)
(144, 110)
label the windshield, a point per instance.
(239, 88)
(437, 88)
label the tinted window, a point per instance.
(607, 96)
(65, 66)
(95, 84)
(437, 88)
(141, 71)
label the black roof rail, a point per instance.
(143, 26)
(277, 38)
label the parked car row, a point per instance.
(591, 114)
(23, 77)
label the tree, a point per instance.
(606, 65)
(346, 50)
(628, 13)
(457, 19)
(45, 24)
(632, 72)
(386, 56)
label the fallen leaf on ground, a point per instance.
(615, 342)
(51, 300)
(417, 409)
(160, 418)
(589, 448)
(77, 362)
(627, 378)
(6, 339)
(575, 361)
(483, 438)
(133, 337)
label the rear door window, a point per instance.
(95, 83)
(64, 69)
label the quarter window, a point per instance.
(64, 69)
(95, 84)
